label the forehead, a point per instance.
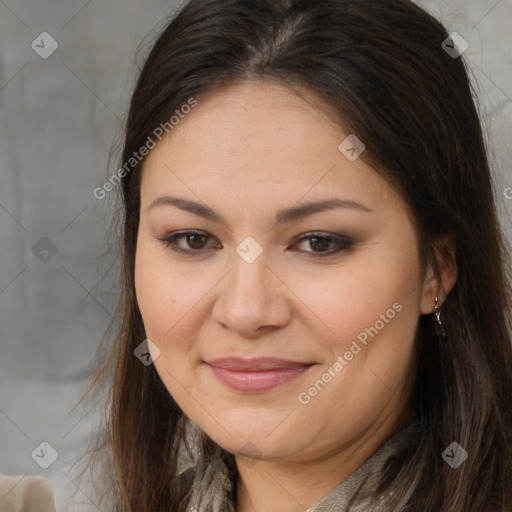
(260, 141)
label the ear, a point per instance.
(440, 275)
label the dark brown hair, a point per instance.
(380, 66)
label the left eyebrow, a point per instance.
(283, 216)
(298, 212)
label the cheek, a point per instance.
(155, 290)
(378, 319)
(349, 299)
(371, 310)
(171, 302)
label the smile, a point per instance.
(257, 375)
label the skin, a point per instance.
(247, 152)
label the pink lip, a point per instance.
(256, 375)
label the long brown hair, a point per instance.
(381, 66)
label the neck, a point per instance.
(297, 485)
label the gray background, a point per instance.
(59, 117)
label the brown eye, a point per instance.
(196, 241)
(187, 242)
(319, 243)
(322, 243)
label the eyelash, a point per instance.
(343, 243)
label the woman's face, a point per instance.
(331, 295)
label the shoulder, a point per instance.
(26, 493)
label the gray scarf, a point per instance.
(213, 484)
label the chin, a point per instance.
(257, 447)
(252, 434)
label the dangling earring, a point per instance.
(438, 324)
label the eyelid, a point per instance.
(344, 242)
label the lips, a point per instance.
(255, 365)
(256, 375)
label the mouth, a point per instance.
(256, 375)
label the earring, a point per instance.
(438, 325)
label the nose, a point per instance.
(252, 299)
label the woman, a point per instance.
(316, 303)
